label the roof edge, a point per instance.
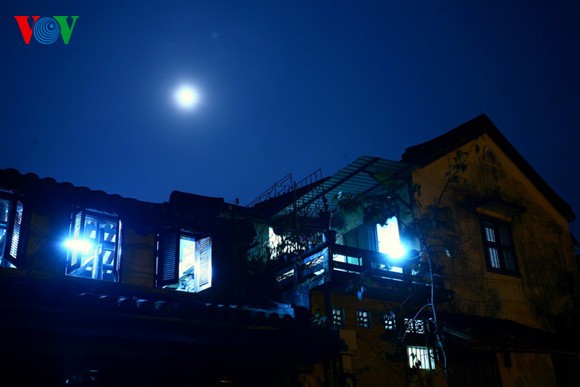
(429, 151)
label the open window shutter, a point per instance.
(15, 233)
(168, 258)
(203, 269)
(77, 226)
(118, 248)
(373, 237)
(508, 254)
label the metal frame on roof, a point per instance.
(356, 177)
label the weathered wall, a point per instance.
(138, 255)
(543, 289)
(44, 234)
(47, 228)
(527, 370)
(369, 353)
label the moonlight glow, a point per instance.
(186, 97)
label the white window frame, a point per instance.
(94, 245)
(421, 357)
(11, 217)
(174, 270)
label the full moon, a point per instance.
(186, 97)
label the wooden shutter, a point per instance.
(168, 258)
(16, 228)
(76, 228)
(203, 271)
(118, 250)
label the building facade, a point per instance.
(453, 266)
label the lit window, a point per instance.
(498, 246)
(415, 325)
(346, 259)
(274, 242)
(11, 212)
(338, 317)
(389, 322)
(388, 239)
(279, 244)
(421, 358)
(383, 238)
(184, 261)
(363, 319)
(94, 246)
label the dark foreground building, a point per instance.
(96, 289)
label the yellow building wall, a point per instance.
(138, 255)
(366, 353)
(527, 370)
(45, 251)
(541, 238)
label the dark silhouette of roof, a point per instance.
(480, 332)
(427, 152)
(68, 308)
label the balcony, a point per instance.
(336, 266)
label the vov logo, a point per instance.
(46, 30)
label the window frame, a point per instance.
(363, 318)
(502, 244)
(78, 227)
(417, 326)
(416, 354)
(168, 250)
(338, 316)
(389, 322)
(366, 237)
(13, 242)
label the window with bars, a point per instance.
(415, 326)
(11, 212)
(421, 357)
(338, 317)
(184, 261)
(94, 246)
(498, 246)
(389, 322)
(363, 319)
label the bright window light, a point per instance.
(388, 238)
(273, 240)
(421, 358)
(277, 244)
(80, 245)
(186, 256)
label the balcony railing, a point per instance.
(327, 261)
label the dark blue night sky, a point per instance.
(286, 86)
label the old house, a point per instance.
(97, 289)
(453, 266)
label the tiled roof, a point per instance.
(34, 306)
(479, 332)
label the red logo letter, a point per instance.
(25, 28)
